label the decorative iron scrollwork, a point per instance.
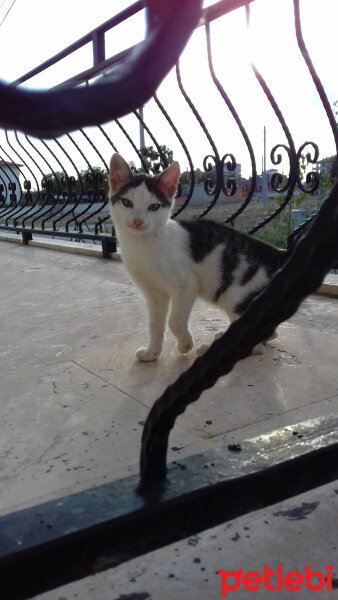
(280, 183)
(100, 194)
(93, 180)
(312, 178)
(47, 185)
(28, 186)
(68, 182)
(90, 181)
(211, 184)
(13, 196)
(229, 186)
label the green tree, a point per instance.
(94, 178)
(186, 177)
(154, 159)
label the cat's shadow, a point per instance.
(148, 380)
(155, 376)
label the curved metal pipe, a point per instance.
(131, 84)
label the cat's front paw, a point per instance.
(184, 346)
(200, 350)
(259, 349)
(146, 355)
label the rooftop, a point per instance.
(8, 163)
(74, 400)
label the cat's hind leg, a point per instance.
(258, 349)
(200, 350)
(223, 305)
(157, 305)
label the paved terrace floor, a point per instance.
(73, 401)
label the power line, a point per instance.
(11, 6)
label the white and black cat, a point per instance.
(174, 262)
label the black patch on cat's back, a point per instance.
(230, 261)
(137, 180)
(249, 273)
(204, 236)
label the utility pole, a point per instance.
(263, 191)
(142, 142)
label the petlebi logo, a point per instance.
(275, 580)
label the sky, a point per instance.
(34, 30)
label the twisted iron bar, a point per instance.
(305, 267)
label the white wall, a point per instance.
(9, 174)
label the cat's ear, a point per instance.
(119, 172)
(168, 180)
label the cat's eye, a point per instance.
(127, 203)
(154, 207)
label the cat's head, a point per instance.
(140, 203)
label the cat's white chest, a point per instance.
(159, 258)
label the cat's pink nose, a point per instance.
(137, 222)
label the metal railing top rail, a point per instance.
(96, 38)
(49, 545)
(51, 113)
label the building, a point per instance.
(236, 174)
(327, 166)
(9, 180)
(246, 183)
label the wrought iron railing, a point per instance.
(58, 187)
